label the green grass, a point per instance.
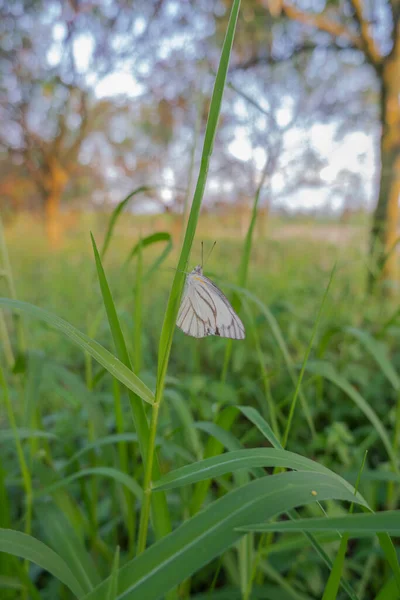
(81, 449)
(139, 463)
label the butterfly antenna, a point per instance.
(212, 248)
(202, 254)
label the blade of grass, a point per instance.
(333, 583)
(137, 311)
(254, 416)
(160, 512)
(8, 274)
(276, 332)
(362, 523)
(305, 360)
(29, 548)
(244, 264)
(116, 214)
(168, 326)
(214, 529)
(26, 475)
(109, 472)
(154, 238)
(113, 580)
(261, 360)
(103, 356)
(60, 534)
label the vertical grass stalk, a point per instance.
(137, 315)
(26, 476)
(244, 264)
(7, 273)
(177, 285)
(303, 368)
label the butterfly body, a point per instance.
(206, 311)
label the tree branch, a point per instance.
(303, 49)
(370, 47)
(322, 22)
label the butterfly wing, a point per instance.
(206, 311)
(192, 318)
(226, 321)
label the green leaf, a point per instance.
(109, 439)
(116, 213)
(110, 472)
(171, 313)
(280, 340)
(154, 238)
(103, 356)
(214, 529)
(363, 523)
(390, 591)
(254, 416)
(160, 513)
(188, 426)
(240, 459)
(25, 434)
(113, 579)
(29, 548)
(62, 535)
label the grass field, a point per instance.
(72, 470)
(138, 463)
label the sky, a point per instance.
(354, 151)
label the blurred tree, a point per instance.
(53, 54)
(373, 28)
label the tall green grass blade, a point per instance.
(240, 459)
(221, 436)
(254, 416)
(113, 580)
(99, 353)
(29, 548)
(171, 312)
(116, 214)
(264, 373)
(177, 284)
(333, 583)
(154, 238)
(8, 274)
(22, 433)
(137, 311)
(244, 265)
(280, 340)
(184, 413)
(61, 535)
(160, 512)
(109, 472)
(23, 466)
(115, 438)
(304, 365)
(214, 529)
(390, 591)
(363, 523)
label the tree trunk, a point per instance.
(57, 179)
(384, 230)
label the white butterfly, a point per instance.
(205, 311)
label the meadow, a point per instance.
(137, 463)
(75, 445)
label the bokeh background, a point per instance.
(103, 106)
